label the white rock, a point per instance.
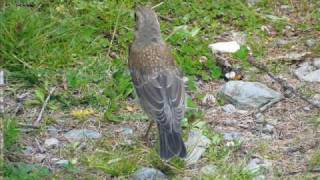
(196, 146)
(146, 173)
(209, 99)
(308, 72)
(225, 47)
(229, 108)
(51, 143)
(316, 62)
(313, 76)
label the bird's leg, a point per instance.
(145, 137)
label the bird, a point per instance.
(158, 82)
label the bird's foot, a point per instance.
(146, 140)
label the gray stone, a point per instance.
(281, 42)
(259, 118)
(148, 174)
(51, 143)
(308, 72)
(196, 146)
(231, 136)
(209, 100)
(52, 131)
(257, 165)
(79, 134)
(316, 62)
(229, 108)
(311, 43)
(126, 131)
(230, 122)
(239, 37)
(247, 95)
(268, 129)
(316, 99)
(28, 150)
(208, 170)
(295, 56)
(62, 163)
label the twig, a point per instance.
(28, 126)
(165, 18)
(23, 62)
(157, 5)
(269, 105)
(288, 89)
(114, 32)
(41, 149)
(37, 122)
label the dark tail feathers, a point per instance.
(171, 144)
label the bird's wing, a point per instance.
(162, 96)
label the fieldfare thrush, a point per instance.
(158, 82)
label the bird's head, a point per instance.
(147, 24)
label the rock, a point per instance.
(247, 95)
(281, 42)
(316, 99)
(51, 143)
(259, 118)
(311, 43)
(316, 62)
(52, 131)
(127, 134)
(225, 47)
(196, 146)
(203, 59)
(257, 165)
(268, 129)
(39, 157)
(229, 109)
(308, 72)
(79, 134)
(209, 100)
(295, 56)
(231, 136)
(239, 37)
(126, 131)
(313, 76)
(28, 150)
(148, 174)
(230, 122)
(208, 170)
(62, 163)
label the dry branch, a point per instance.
(44, 105)
(287, 88)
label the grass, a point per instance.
(81, 47)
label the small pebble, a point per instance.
(51, 143)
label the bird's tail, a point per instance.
(171, 144)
